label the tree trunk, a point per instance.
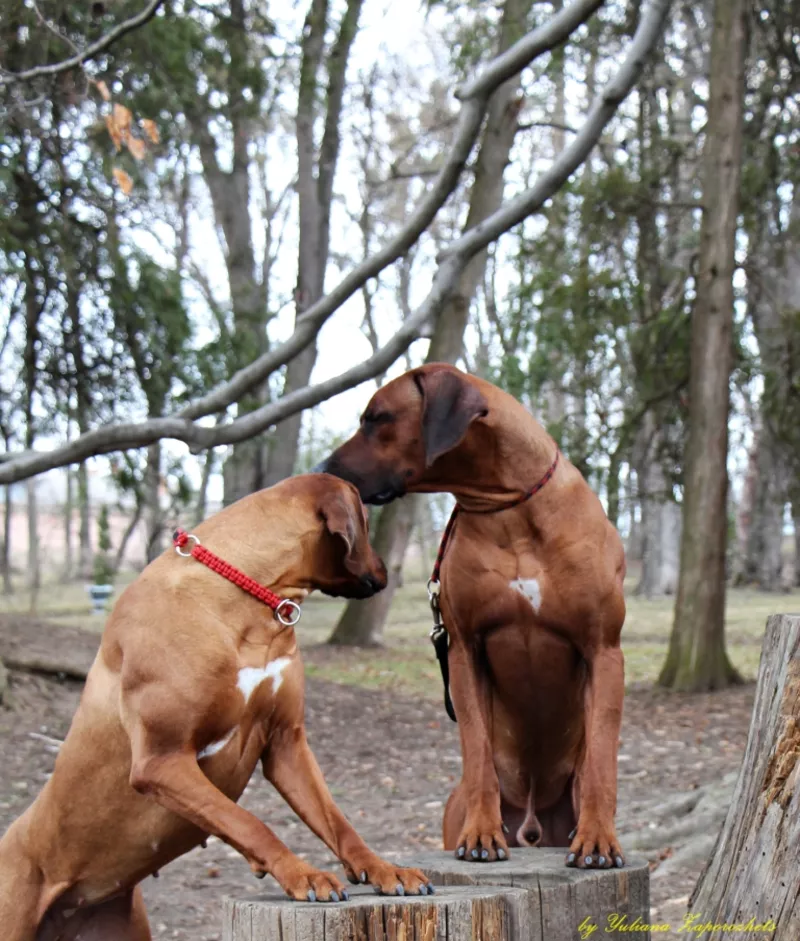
(201, 508)
(763, 561)
(119, 558)
(362, 622)
(68, 501)
(394, 529)
(755, 870)
(34, 571)
(697, 659)
(85, 555)
(316, 171)
(154, 518)
(796, 521)
(661, 521)
(6, 547)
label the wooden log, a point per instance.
(531, 897)
(453, 914)
(754, 871)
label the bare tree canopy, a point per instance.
(474, 95)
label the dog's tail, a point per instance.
(23, 895)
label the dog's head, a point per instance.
(345, 564)
(409, 424)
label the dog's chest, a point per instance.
(259, 687)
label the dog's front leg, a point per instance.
(290, 765)
(595, 843)
(175, 780)
(481, 837)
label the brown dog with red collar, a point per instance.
(533, 602)
(194, 683)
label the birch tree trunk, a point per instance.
(697, 659)
(362, 622)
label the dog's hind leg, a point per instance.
(22, 887)
(119, 919)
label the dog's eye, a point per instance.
(377, 418)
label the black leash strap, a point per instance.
(441, 644)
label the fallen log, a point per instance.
(531, 897)
(754, 872)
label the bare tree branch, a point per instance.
(547, 37)
(90, 52)
(453, 260)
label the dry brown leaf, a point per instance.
(124, 182)
(137, 147)
(149, 127)
(103, 89)
(113, 132)
(122, 119)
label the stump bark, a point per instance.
(531, 897)
(754, 872)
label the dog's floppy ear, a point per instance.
(342, 520)
(449, 405)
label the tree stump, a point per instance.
(754, 871)
(531, 897)
(457, 914)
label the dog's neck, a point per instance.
(521, 453)
(245, 535)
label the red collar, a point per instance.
(286, 611)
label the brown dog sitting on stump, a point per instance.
(197, 680)
(531, 596)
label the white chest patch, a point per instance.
(529, 587)
(214, 747)
(250, 678)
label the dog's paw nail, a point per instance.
(377, 889)
(570, 859)
(501, 854)
(460, 852)
(484, 854)
(399, 890)
(345, 895)
(334, 897)
(431, 890)
(474, 854)
(571, 837)
(505, 829)
(363, 875)
(260, 874)
(423, 890)
(312, 895)
(619, 861)
(587, 861)
(601, 860)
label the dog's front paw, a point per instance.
(482, 841)
(306, 884)
(389, 879)
(594, 846)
